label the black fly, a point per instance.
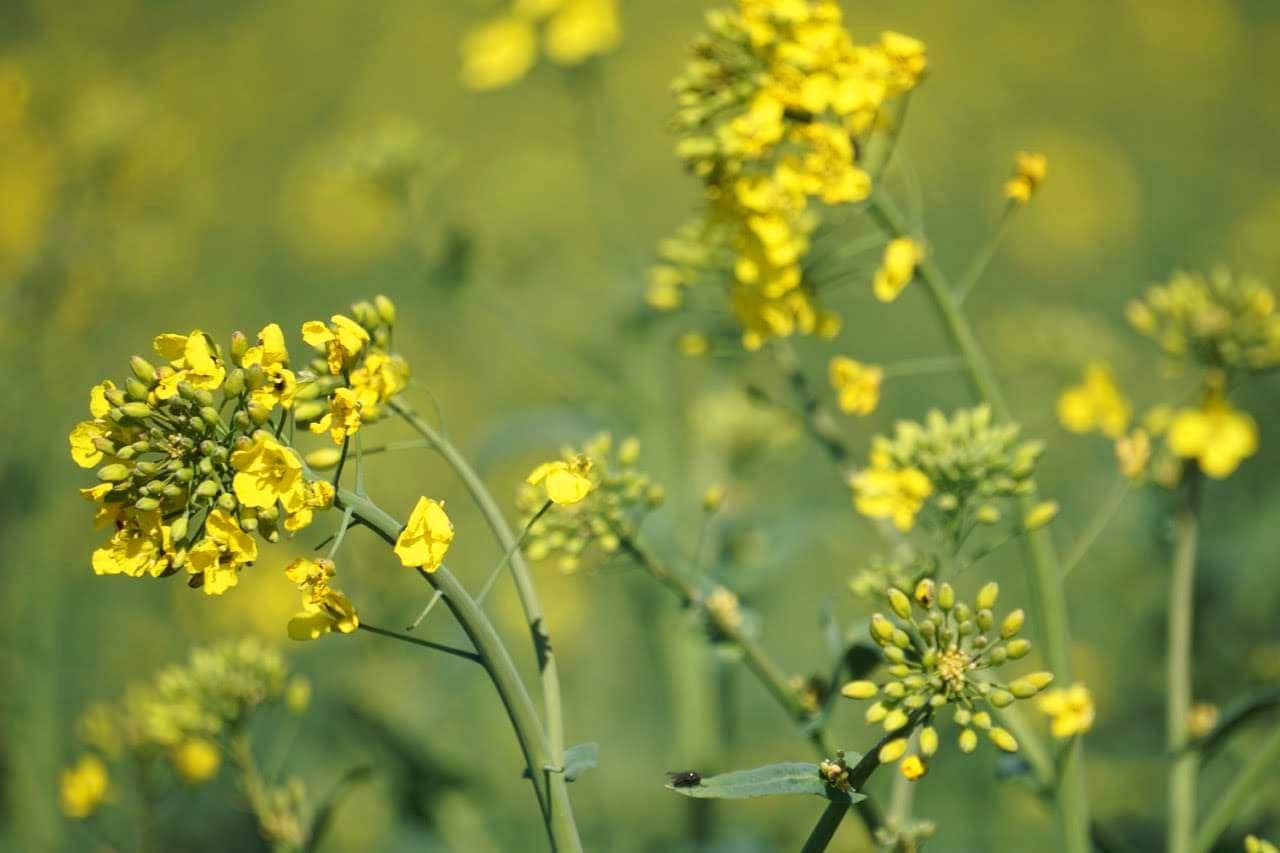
(685, 779)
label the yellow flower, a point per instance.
(342, 339)
(378, 378)
(343, 417)
(196, 760)
(1254, 844)
(888, 493)
(498, 53)
(566, 482)
(98, 403)
(1040, 515)
(1217, 435)
(425, 539)
(271, 355)
(1071, 709)
(857, 385)
(1201, 719)
(1133, 452)
(82, 787)
(84, 449)
(266, 472)
(1029, 171)
(1096, 403)
(193, 360)
(141, 545)
(319, 494)
(324, 608)
(897, 269)
(582, 29)
(913, 768)
(220, 555)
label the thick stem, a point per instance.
(1182, 772)
(561, 831)
(825, 829)
(1043, 578)
(1241, 789)
(550, 676)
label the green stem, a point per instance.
(983, 259)
(1241, 789)
(495, 658)
(1097, 524)
(560, 806)
(825, 829)
(1043, 577)
(1182, 772)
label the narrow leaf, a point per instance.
(767, 781)
(580, 758)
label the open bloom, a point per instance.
(324, 608)
(272, 356)
(267, 472)
(897, 494)
(897, 269)
(192, 359)
(343, 418)
(566, 482)
(1217, 435)
(342, 339)
(82, 787)
(425, 539)
(1095, 404)
(1071, 709)
(141, 545)
(857, 385)
(221, 554)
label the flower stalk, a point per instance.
(1182, 772)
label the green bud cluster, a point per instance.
(942, 652)
(593, 526)
(1218, 322)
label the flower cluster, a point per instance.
(180, 719)
(190, 453)
(500, 51)
(1070, 710)
(961, 468)
(774, 107)
(610, 492)
(1029, 171)
(857, 385)
(942, 653)
(324, 608)
(1218, 322)
(1095, 404)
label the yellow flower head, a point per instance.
(899, 494)
(426, 537)
(324, 608)
(268, 472)
(378, 378)
(1096, 403)
(220, 555)
(85, 451)
(1254, 844)
(1029, 171)
(141, 545)
(582, 29)
(342, 339)
(280, 384)
(1133, 452)
(857, 385)
(566, 482)
(192, 359)
(196, 760)
(1071, 709)
(1216, 435)
(83, 787)
(898, 268)
(497, 53)
(343, 418)
(913, 768)
(319, 494)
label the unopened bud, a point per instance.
(235, 383)
(1012, 623)
(881, 629)
(988, 595)
(147, 504)
(208, 488)
(308, 411)
(1003, 739)
(925, 593)
(137, 411)
(946, 597)
(178, 530)
(1002, 698)
(239, 346)
(137, 391)
(900, 603)
(227, 502)
(113, 473)
(859, 689)
(143, 369)
(386, 309)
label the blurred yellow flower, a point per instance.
(82, 787)
(1217, 435)
(343, 418)
(1071, 709)
(341, 339)
(1133, 452)
(897, 269)
(581, 29)
(1029, 171)
(857, 385)
(566, 482)
(498, 53)
(897, 494)
(221, 554)
(1201, 719)
(1254, 844)
(426, 537)
(1096, 403)
(196, 760)
(1040, 515)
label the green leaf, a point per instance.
(770, 780)
(580, 758)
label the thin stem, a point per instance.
(1043, 576)
(901, 797)
(495, 658)
(1242, 788)
(418, 641)
(983, 259)
(923, 366)
(561, 808)
(1106, 512)
(1182, 772)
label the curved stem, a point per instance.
(1244, 786)
(495, 658)
(1043, 577)
(1097, 524)
(528, 595)
(1182, 772)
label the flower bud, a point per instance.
(137, 411)
(113, 473)
(946, 597)
(386, 309)
(1001, 698)
(985, 619)
(987, 596)
(893, 654)
(254, 377)
(895, 689)
(239, 346)
(1041, 680)
(968, 740)
(998, 655)
(1018, 648)
(227, 502)
(1012, 623)
(235, 383)
(900, 603)
(1003, 739)
(136, 390)
(895, 719)
(925, 592)
(881, 629)
(197, 424)
(178, 530)
(875, 713)
(928, 740)
(913, 768)
(859, 689)
(893, 750)
(146, 504)
(1041, 514)
(308, 411)
(324, 458)
(208, 488)
(144, 370)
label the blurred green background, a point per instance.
(171, 165)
